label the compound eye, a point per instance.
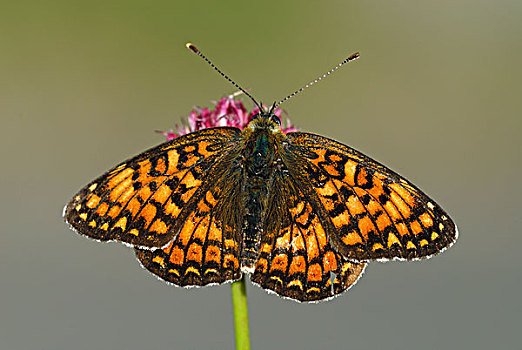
(255, 116)
(275, 119)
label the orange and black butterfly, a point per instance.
(300, 213)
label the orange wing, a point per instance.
(296, 258)
(145, 200)
(207, 248)
(372, 213)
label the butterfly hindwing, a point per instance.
(141, 200)
(207, 247)
(377, 214)
(296, 258)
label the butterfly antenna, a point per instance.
(194, 49)
(351, 58)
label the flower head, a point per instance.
(228, 111)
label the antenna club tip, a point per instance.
(354, 56)
(191, 47)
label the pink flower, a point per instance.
(228, 111)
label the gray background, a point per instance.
(436, 96)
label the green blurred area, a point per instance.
(435, 96)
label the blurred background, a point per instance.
(436, 96)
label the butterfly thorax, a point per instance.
(260, 156)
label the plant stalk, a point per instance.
(240, 305)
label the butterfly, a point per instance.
(300, 213)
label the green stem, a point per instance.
(239, 302)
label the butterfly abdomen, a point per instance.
(252, 227)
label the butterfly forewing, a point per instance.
(296, 258)
(144, 200)
(376, 214)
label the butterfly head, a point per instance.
(265, 120)
(264, 123)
